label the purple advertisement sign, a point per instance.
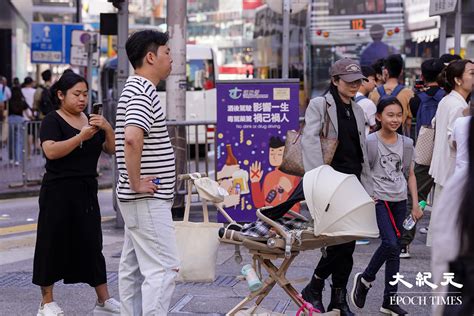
(253, 117)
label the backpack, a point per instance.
(360, 97)
(46, 101)
(372, 146)
(395, 92)
(427, 108)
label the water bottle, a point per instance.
(251, 276)
(410, 222)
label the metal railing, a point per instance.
(22, 160)
(200, 135)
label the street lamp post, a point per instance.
(176, 90)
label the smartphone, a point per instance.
(97, 108)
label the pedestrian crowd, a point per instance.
(377, 120)
(382, 127)
(21, 106)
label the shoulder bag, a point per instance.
(424, 146)
(293, 153)
(197, 243)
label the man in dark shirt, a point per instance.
(424, 105)
(430, 70)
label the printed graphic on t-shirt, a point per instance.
(392, 164)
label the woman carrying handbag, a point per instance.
(336, 116)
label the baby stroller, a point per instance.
(341, 211)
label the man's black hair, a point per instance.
(447, 58)
(377, 66)
(431, 68)
(27, 81)
(368, 71)
(276, 142)
(46, 75)
(142, 42)
(394, 65)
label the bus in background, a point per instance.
(341, 28)
(235, 71)
(267, 48)
(200, 93)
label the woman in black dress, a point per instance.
(69, 238)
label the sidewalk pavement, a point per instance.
(20, 297)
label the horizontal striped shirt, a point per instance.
(139, 106)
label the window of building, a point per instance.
(355, 7)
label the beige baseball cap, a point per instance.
(348, 70)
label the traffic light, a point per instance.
(108, 23)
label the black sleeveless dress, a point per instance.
(69, 236)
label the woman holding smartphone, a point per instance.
(69, 237)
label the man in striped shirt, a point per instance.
(145, 189)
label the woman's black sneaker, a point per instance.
(313, 293)
(392, 309)
(339, 301)
(359, 291)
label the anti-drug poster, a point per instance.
(253, 117)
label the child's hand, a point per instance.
(416, 212)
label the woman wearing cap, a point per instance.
(347, 124)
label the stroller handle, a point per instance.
(187, 176)
(279, 229)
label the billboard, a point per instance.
(253, 117)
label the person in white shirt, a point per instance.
(369, 107)
(448, 226)
(7, 93)
(458, 81)
(28, 92)
(365, 103)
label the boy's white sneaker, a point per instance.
(108, 308)
(50, 309)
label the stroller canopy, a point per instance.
(339, 204)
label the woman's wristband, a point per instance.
(80, 144)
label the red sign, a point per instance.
(251, 4)
(236, 69)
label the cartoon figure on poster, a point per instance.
(233, 179)
(277, 185)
